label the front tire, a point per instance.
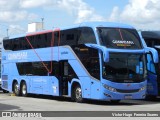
(78, 94)
(16, 89)
(24, 89)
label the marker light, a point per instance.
(109, 88)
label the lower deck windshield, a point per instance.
(127, 68)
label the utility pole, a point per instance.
(42, 23)
(7, 32)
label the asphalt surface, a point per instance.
(50, 103)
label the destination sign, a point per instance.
(123, 42)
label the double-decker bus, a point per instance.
(152, 39)
(92, 60)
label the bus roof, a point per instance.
(151, 35)
(84, 24)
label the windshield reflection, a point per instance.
(125, 68)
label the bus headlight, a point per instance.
(109, 88)
(143, 88)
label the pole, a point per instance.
(42, 23)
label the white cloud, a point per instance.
(15, 29)
(11, 11)
(8, 5)
(9, 16)
(36, 3)
(143, 14)
(77, 8)
(16, 11)
(80, 10)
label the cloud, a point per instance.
(143, 14)
(76, 8)
(9, 16)
(11, 11)
(8, 5)
(15, 29)
(17, 11)
(81, 10)
(36, 3)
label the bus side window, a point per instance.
(86, 35)
(69, 37)
(150, 64)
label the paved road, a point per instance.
(49, 103)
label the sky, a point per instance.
(16, 14)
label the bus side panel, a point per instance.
(86, 87)
(53, 86)
(37, 84)
(5, 77)
(10, 71)
(95, 89)
(44, 85)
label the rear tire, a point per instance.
(24, 89)
(16, 89)
(78, 94)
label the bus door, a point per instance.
(63, 77)
(152, 87)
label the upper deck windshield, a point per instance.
(120, 38)
(127, 68)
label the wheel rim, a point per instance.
(16, 88)
(24, 89)
(78, 93)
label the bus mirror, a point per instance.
(105, 56)
(154, 53)
(103, 49)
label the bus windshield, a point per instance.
(120, 38)
(125, 68)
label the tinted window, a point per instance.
(70, 37)
(36, 68)
(89, 58)
(119, 38)
(125, 68)
(86, 36)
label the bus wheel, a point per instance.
(78, 94)
(16, 89)
(24, 89)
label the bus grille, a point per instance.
(127, 91)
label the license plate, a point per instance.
(128, 97)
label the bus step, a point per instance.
(65, 95)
